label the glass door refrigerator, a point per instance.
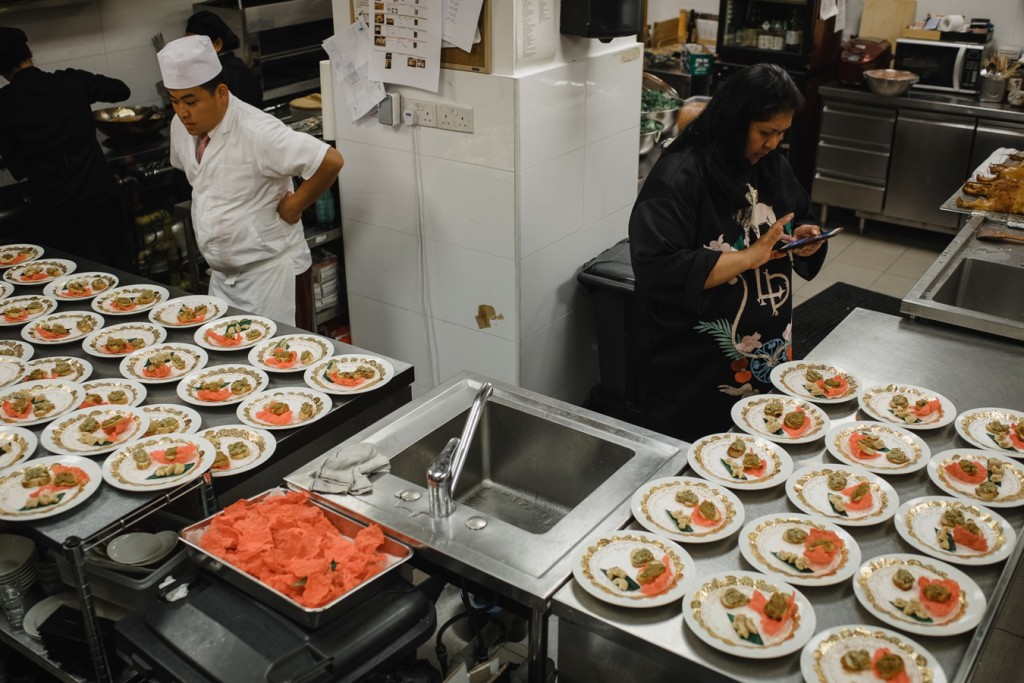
(789, 33)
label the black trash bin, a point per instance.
(609, 279)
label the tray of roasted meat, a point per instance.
(995, 190)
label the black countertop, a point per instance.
(927, 100)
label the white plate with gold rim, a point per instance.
(115, 392)
(80, 286)
(875, 586)
(170, 418)
(821, 658)
(19, 310)
(711, 621)
(235, 333)
(11, 370)
(877, 401)
(298, 406)
(749, 415)
(188, 311)
(979, 476)
(16, 254)
(777, 543)
(796, 377)
(816, 490)
(884, 460)
(39, 272)
(15, 497)
(148, 464)
(710, 458)
(16, 444)
(6, 289)
(668, 506)
(290, 352)
(163, 363)
(10, 348)
(121, 339)
(221, 385)
(67, 368)
(349, 374)
(23, 404)
(129, 299)
(239, 448)
(603, 552)
(972, 426)
(919, 522)
(94, 431)
(61, 327)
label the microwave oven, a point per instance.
(941, 65)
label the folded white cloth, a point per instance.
(347, 470)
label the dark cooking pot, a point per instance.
(121, 122)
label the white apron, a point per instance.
(267, 287)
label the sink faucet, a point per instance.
(443, 473)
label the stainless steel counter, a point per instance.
(969, 370)
(924, 100)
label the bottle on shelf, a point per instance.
(794, 32)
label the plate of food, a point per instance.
(39, 272)
(861, 653)
(14, 254)
(158, 462)
(239, 448)
(740, 461)
(10, 348)
(170, 418)
(47, 486)
(221, 385)
(842, 494)
(878, 447)
(907, 406)
(290, 353)
(11, 370)
(815, 382)
(283, 408)
(748, 614)
(80, 286)
(61, 327)
(979, 476)
(997, 429)
(919, 595)
(129, 300)
(779, 418)
(19, 310)
(94, 431)
(123, 338)
(634, 569)
(16, 444)
(349, 374)
(112, 392)
(39, 401)
(67, 368)
(188, 311)
(6, 289)
(687, 509)
(235, 332)
(163, 363)
(800, 549)
(949, 529)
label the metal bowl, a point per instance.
(122, 122)
(649, 140)
(892, 82)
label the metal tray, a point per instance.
(1012, 220)
(306, 616)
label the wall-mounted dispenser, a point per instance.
(601, 19)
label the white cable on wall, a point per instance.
(428, 316)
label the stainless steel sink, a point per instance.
(974, 285)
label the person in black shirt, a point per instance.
(48, 136)
(240, 79)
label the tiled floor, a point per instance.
(887, 258)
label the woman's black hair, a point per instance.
(13, 48)
(718, 136)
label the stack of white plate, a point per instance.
(16, 560)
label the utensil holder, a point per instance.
(992, 89)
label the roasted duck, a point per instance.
(1000, 196)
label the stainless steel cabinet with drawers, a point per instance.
(853, 156)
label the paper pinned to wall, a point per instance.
(406, 47)
(536, 32)
(349, 52)
(461, 18)
(834, 8)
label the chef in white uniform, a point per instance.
(240, 162)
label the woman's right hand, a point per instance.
(763, 250)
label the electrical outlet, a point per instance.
(455, 118)
(426, 112)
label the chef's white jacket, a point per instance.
(247, 168)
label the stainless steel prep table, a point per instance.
(597, 641)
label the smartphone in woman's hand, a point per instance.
(796, 244)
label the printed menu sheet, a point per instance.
(407, 42)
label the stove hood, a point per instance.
(12, 6)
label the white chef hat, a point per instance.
(188, 62)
